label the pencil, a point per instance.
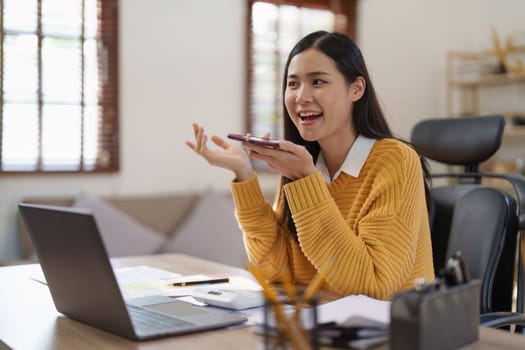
(286, 279)
(268, 292)
(317, 282)
(289, 327)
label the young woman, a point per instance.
(351, 201)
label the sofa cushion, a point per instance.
(121, 233)
(210, 231)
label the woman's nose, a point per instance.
(303, 96)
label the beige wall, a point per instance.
(187, 75)
(405, 43)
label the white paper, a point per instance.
(142, 273)
(354, 305)
(339, 310)
(142, 286)
(141, 281)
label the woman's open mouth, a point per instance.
(309, 116)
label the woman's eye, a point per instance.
(317, 82)
(291, 84)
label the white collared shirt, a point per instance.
(355, 159)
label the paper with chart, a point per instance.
(141, 281)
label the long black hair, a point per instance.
(367, 116)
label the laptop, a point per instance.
(83, 285)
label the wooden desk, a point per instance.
(29, 320)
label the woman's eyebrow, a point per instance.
(310, 74)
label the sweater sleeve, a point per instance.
(265, 239)
(374, 255)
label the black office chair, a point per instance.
(480, 221)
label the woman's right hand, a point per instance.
(227, 157)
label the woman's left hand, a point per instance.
(290, 160)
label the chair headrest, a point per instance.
(459, 141)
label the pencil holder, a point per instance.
(289, 324)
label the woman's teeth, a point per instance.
(308, 116)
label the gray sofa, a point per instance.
(198, 224)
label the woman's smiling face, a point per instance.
(318, 98)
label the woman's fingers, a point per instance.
(190, 145)
(204, 139)
(290, 147)
(268, 155)
(200, 134)
(196, 129)
(220, 142)
(199, 146)
(290, 160)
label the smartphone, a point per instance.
(255, 140)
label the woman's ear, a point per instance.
(357, 88)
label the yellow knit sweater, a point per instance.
(367, 235)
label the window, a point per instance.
(58, 86)
(274, 28)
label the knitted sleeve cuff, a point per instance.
(305, 192)
(247, 194)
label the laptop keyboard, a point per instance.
(147, 321)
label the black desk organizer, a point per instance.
(435, 317)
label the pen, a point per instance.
(208, 281)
